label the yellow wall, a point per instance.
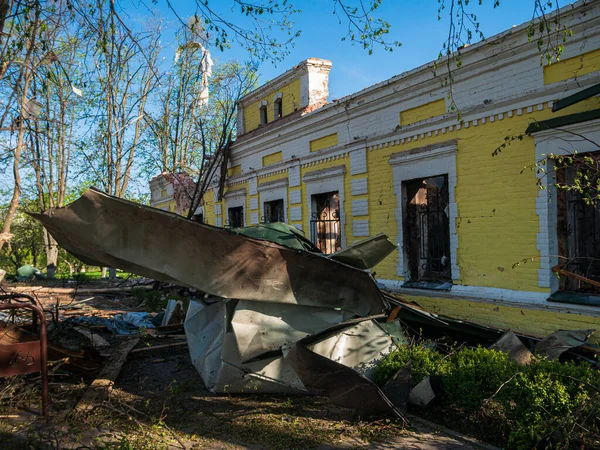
(535, 322)
(423, 112)
(273, 158)
(497, 223)
(572, 67)
(290, 102)
(331, 140)
(235, 170)
(209, 208)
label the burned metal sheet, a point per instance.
(342, 385)
(397, 389)
(223, 335)
(560, 341)
(367, 253)
(511, 344)
(147, 241)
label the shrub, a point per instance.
(425, 361)
(545, 404)
(474, 375)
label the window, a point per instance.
(274, 211)
(427, 229)
(263, 114)
(235, 217)
(277, 109)
(325, 229)
(163, 193)
(578, 229)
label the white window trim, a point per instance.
(275, 192)
(426, 162)
(320, 182)
(233, 199)
(556, 141)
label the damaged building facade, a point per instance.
(469, 221)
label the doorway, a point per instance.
(427, 229)
(325, 227)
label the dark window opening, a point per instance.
(274, 211)
(235, 217)
(325, 227)
(198, 217)
(578, 230)
(427, 229)
(277, 109)
(263, 115)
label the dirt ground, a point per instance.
(159, 402)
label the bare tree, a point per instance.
(20, 86)
(124, 78)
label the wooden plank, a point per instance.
(99, 389)
(78, 291)
(158, 347)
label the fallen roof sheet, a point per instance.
(110, 231)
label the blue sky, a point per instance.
(413, 22)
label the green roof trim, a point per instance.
(575, 298)
(563, 121)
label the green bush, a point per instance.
(425, 361)
(547, 404)
(474, 374)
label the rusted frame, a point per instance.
(43, 358)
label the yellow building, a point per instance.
(477, 237)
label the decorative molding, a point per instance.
(359, 186)
(360, 228)
(421, 153)
(275, 184)
(360, 208)
(358, 161)
(235, 193)
(324, 174)
(295, 196)
(253, 203)
(296, 214)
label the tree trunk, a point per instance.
(51, 249)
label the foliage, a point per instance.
(424, 362)
(26, 245)
(153, 299)
(548, 403)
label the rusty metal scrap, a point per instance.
(27, 357)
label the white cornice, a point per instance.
(275, 184)
(324, 174)
(426, 152)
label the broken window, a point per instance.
(578, 229)
(326, 231)
(277, 109)
(274, 211)
(427, 229)
(263, 114)
(235, 217)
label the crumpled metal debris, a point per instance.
(511, 344)
(560, 341)
(277, 315)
